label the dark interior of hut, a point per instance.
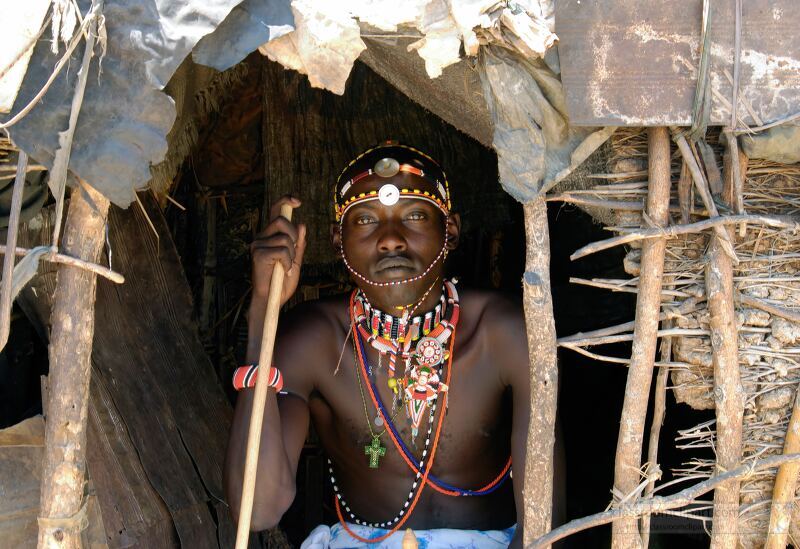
(276, 134)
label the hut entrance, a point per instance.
(270, 133)
(281, 136)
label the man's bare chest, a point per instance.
(351, 412)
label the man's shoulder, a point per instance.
(329, 310)
(322, 321)
(309, 338)
(493, 309)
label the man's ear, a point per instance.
(453, 229)
(336, 238)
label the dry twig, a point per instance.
(659, 504)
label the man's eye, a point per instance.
(416, 216)
(363, 220)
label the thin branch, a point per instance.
(632, 288)
(617, 338)
(659, 504)
(686, 307)
(11, 240)
(113, 276)
(777, 122)
(777, 310)
(702, 187)
(678, 230)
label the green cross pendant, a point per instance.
(375, 451)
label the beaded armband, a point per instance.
(245, 377)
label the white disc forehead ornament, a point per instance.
(389, 195)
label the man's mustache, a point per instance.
(394, 261)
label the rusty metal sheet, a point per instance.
(633, 63)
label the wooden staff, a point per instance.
(260, 398)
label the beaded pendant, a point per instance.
(423, 384)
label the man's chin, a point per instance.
(394, 274)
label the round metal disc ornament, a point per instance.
(429, 351)
(386, 167)
(389, 195)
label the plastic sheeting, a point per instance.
(125, 116)
(779, 144)
(534, 142)
(123, 125)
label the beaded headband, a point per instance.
(391, 159)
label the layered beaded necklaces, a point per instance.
(422, 467)
(400, 338)
(418, 387)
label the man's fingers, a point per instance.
(280, 240)
(300, 247)
(281, 254)
(275, 210)
(279, 225)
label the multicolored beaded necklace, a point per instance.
(436, 483)
(400, 344)
(422, 472)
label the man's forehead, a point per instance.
(388, 173)
(403, 181)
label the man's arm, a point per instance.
(286, 423)
(286, 420)
(509, 323)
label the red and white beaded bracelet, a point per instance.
(245, 377)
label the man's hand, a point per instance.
(280, 242)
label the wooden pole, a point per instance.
(659, 411)
(11, 242)
(62, 513)
(780, 517)
(260, 398)
(625, 531)
(728, 392)
(541, 330)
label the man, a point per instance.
(419, 391)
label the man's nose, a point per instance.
(391, 239)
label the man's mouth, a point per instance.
(395, 262)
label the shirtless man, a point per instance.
(394, 229)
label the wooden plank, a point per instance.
(133, 512)
(150, 357)
(159, 414)
(632, 63)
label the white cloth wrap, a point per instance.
(336, 537)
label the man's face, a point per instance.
(390, 243)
